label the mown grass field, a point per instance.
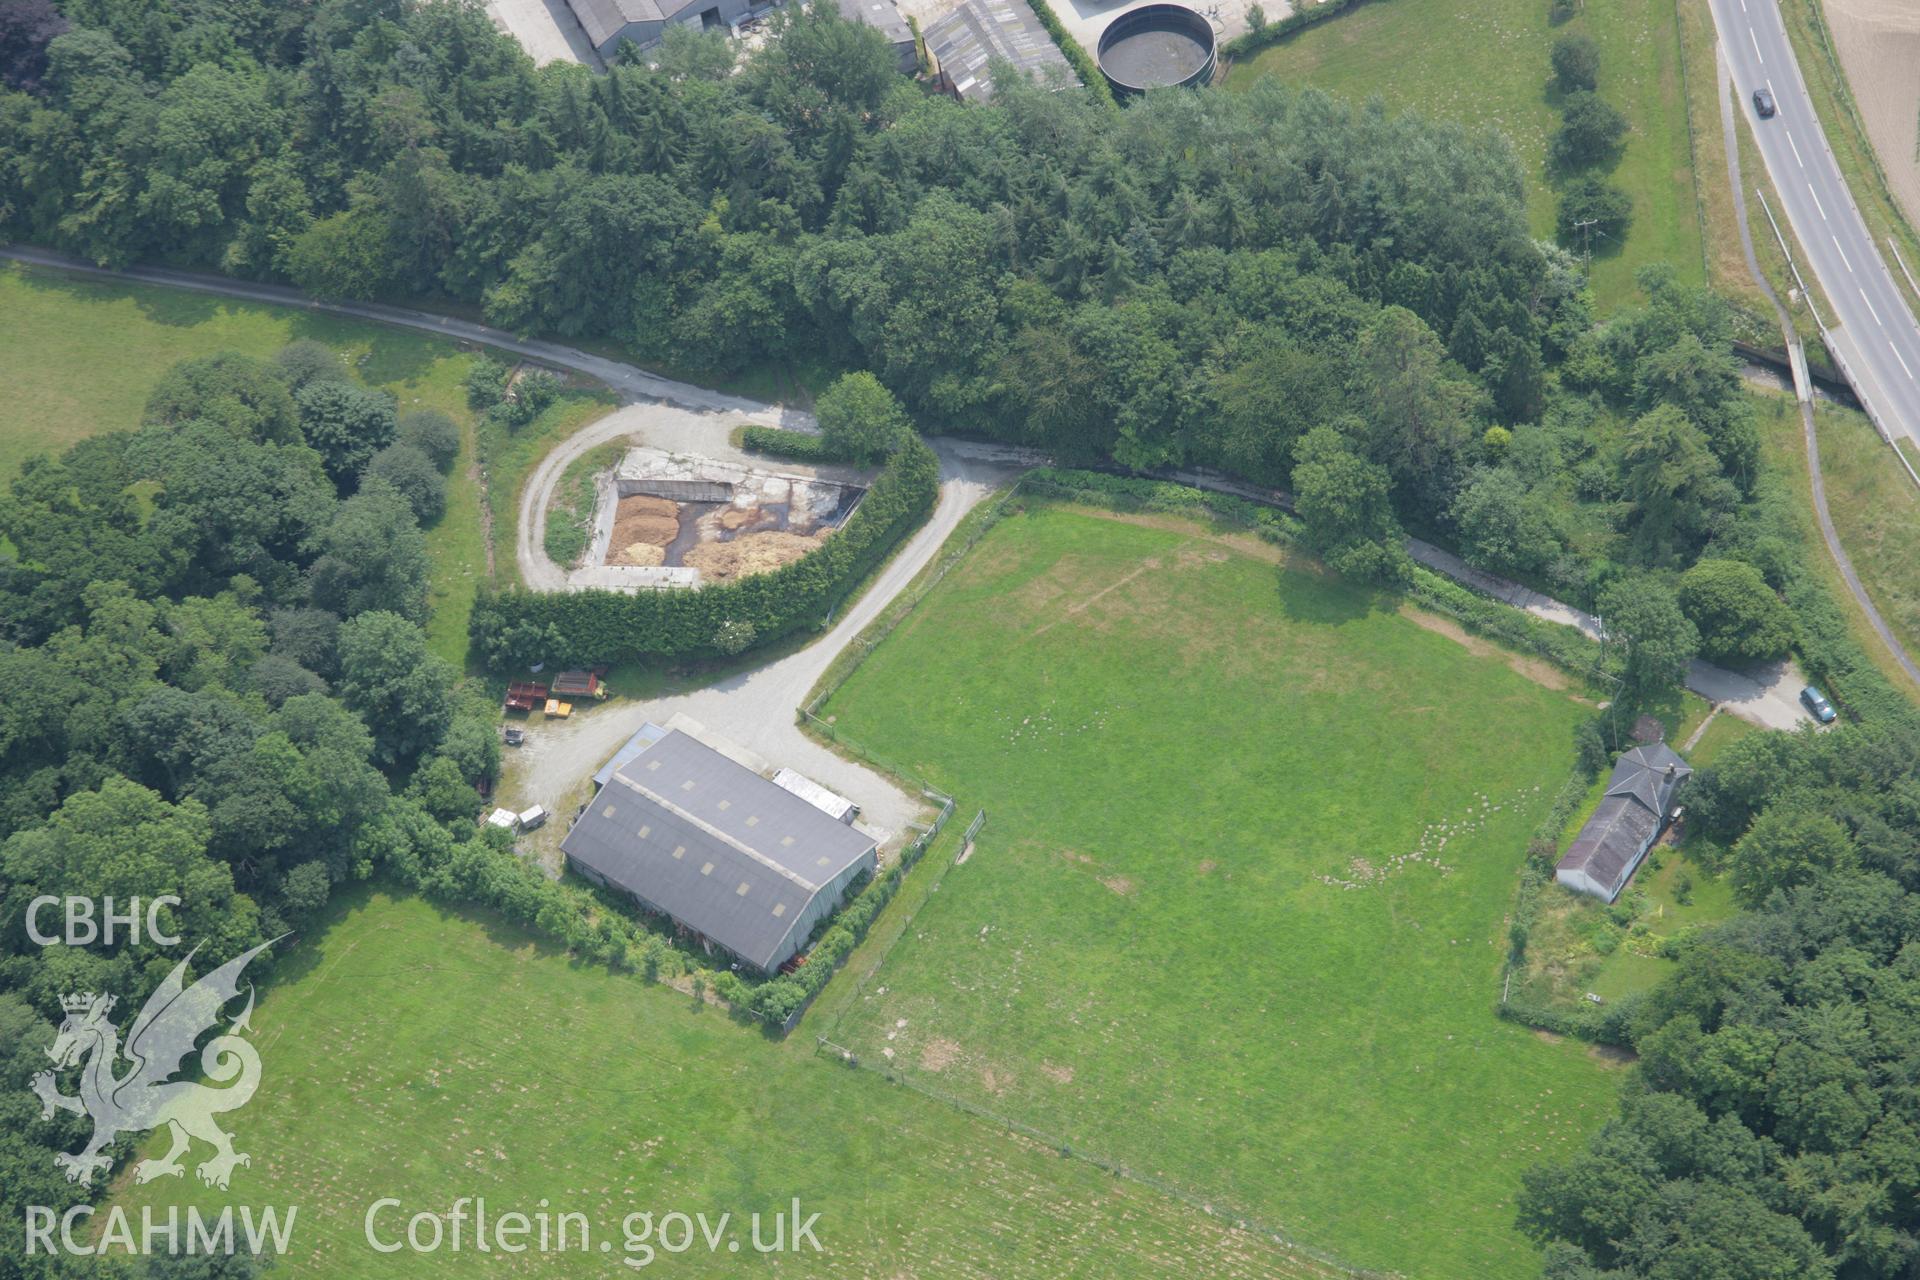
(80, 356)
(1484, 62)
(1187, 754)
(424, 1055)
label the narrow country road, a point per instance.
(1872, 331)
(758, 708)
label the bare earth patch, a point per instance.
(1118, 884)
(1544, 674)
(1057, 1074)
(939, 1054)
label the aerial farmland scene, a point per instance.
(960, 639)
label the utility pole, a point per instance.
(1586, 241)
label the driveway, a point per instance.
(757, 708)
(660, 425)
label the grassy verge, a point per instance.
(1877, 513)
(570, 516)
(1214, 936)
(1487, 63)
(1783, 450)
(510, 456)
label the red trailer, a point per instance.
(524, 695)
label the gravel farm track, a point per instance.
(757, 708)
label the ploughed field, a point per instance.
(1237, 918)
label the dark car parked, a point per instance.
(1817, 703)
(1763, 103)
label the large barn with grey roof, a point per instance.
(1630, 817)
(746, 865)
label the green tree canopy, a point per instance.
(241, 394)
(1741, 619)
(1661, 642)
(373, 556)
(346, 423)
(1343, 499)
(1591, 131)
(1576, 62)
(860, 420)
(399, 689)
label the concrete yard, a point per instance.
(546, 29)
(667, 519)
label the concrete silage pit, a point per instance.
(670, 520)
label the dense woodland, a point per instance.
(211, 621)
(217, 687)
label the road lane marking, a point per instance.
(1796, 150)
(1756, 46)
(1870, 311)
(1816, 202)
(1897, 356)
(1842, 253)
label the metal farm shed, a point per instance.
(687, 832)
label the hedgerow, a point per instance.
(778, 442)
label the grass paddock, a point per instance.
(1485, 62)
(1191, 940)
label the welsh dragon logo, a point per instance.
(144, 1098)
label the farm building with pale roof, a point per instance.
(747, 866)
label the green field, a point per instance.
(424, 1055)
(1190, 941)
(1484, 62)
(1876, 510)
(80, 356)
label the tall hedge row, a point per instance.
(514, 629)
(779, 442)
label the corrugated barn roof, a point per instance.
(714, 845)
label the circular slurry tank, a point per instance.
(1155, 46)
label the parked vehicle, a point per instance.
(1817, 703)
(515, 735)
(1763, 103)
